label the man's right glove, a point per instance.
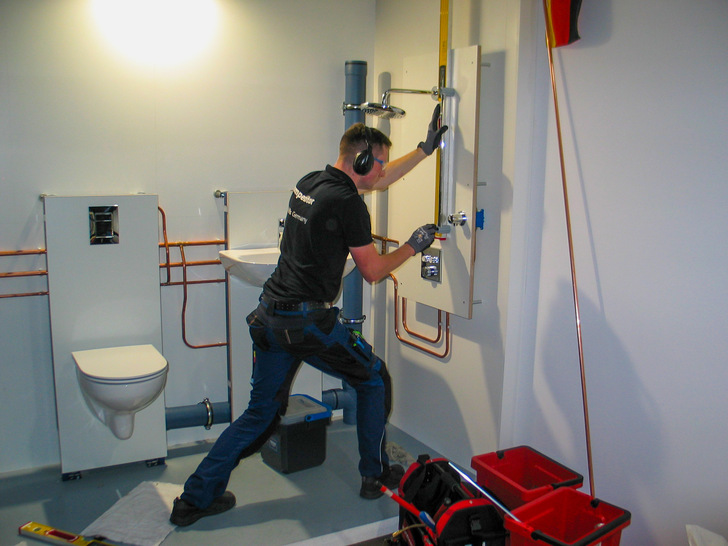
(432, 140)
(422, 237)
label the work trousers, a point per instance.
(281, 341)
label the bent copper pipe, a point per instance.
(415, 334)
(185, 282)
(410, 343)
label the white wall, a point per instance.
(257, 110)
(643, 98)
(643, 105)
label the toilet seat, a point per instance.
(121, 364)
(124, 381)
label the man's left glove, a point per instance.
(434, 134)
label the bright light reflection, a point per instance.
(160, 33)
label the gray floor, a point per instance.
(272, 508)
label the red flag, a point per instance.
(562, 17)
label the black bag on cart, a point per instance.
(460, 514)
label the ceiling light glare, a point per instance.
(158, 33)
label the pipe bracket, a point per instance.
(210, 413)
(347, 321)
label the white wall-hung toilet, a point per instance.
(118, 382)
(105, 295)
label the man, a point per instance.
(326, 220)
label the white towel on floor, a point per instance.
(140, 518)
(697, 536)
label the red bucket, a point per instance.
(521, 474)
(567, 517)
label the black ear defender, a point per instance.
(364, 160)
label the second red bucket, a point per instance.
(521, 474)
(567, 517)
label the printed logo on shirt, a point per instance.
(297, 216)
(303, 197)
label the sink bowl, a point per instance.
(254, 265)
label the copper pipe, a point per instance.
(384, 241)
(203, 281)
(198, 262)
(23, 274)
(18, 274)
(411, 344)
(24, 294)
(22, 252)
(184, 308)
(168, 265)
(571, 250)
(189, 264)
(166, 241)
(415, 334)
(193, 243)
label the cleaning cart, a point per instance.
(542, 501)
(520, 497)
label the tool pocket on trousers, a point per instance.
(258, 331)
(289, 337)
(361, 348)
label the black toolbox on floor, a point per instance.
(299, 441)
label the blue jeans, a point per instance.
(281, 340)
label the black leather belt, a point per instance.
(276, 305)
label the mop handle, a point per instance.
(490, 497)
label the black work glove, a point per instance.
(422, 237)
(434, 134)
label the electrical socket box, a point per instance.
(430, 267)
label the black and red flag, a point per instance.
(563, 16)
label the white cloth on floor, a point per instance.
(140, 518)
(697, 536)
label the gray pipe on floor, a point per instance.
(205, 414)
(344, 398)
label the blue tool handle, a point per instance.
(427, 520)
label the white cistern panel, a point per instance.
(103, 279)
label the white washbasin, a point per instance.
(254, 265)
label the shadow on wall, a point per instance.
(620, 409)
(422, 400)
(491, 131)
(595, 23)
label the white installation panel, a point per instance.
(412, 201)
